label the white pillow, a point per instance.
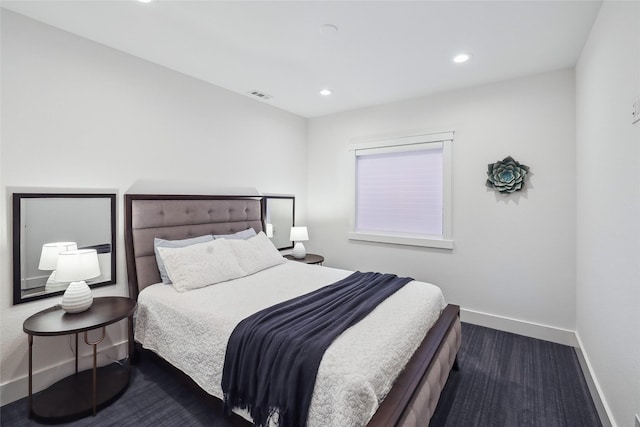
(244, 234)
(256, 253)
(200, 265)
(174, 244)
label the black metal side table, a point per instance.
(82, 393)
(308, 259)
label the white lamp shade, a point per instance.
(299, 234)
(50, 251)
(77, 265)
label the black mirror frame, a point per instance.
(265, 198)
(17, 227)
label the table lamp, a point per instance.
(49, 261)
(76, 267)
(299, 235)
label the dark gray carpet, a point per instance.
(511, 380)
(504, 380)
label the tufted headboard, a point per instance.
(179, 217)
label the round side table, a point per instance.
(308, 259)
(82, 393)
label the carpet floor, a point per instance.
(504, 380)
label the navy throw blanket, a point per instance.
(273, 356)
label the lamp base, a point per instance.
(299, 251)
(77, 298)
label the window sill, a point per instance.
(427, 242)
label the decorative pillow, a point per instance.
(200, 265)
(256, 253)
(243, 235)
(175, 244)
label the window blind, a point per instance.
(400, 189)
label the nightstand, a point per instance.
(82, 393)
(309, 259)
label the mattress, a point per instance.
(191, 329)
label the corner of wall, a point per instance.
(604, 412)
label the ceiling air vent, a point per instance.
(259, 94)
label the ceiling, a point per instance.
(382, 51)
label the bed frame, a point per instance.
(413, 397)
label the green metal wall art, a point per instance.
(507, 176)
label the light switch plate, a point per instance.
(635, 116)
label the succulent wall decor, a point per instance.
(506, 176)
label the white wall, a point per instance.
(608, 207)
(514, 256)
(101, 119)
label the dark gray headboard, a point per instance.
(179, 217)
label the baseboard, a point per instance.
(19, 388)
(520, 327)
(603, 409)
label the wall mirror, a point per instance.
(39, 219)
(280, 217)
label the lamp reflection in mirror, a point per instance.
(76, 267)
(299, 235)
(49, 261)
(269, 230)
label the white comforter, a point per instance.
(191, 329)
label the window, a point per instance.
(402, 190)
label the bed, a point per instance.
(407, 398)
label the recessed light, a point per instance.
(145, 1)
(326, 92)
(461, 57)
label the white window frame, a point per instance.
(408, 142)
